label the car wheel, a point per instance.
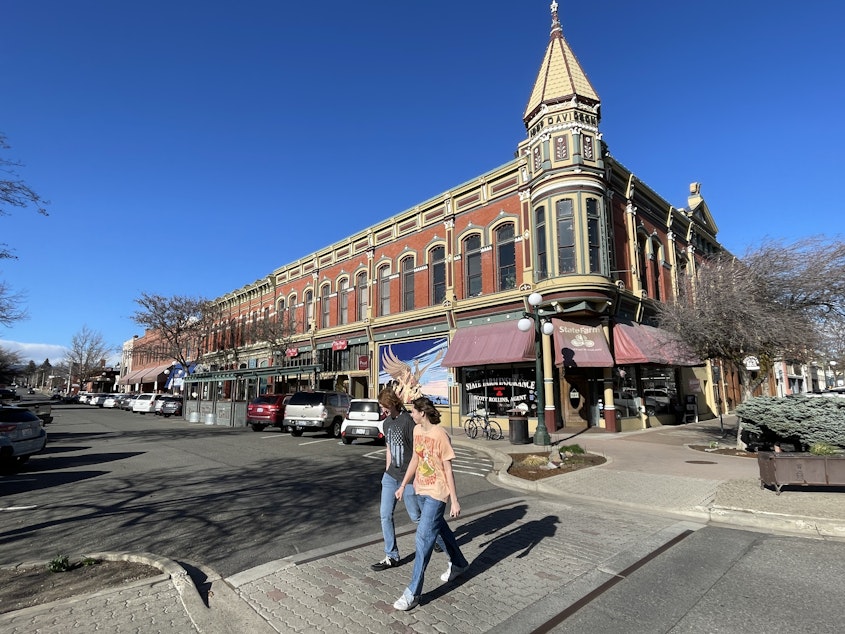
(347, 441)
(335, 430)
(295, 432)
(257, 427)
(22, 459)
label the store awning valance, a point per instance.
(150, 375)
(580, 345)
(131, 377)
(635, 343)
(489, 344)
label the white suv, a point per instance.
(363, 420)
(145, 403)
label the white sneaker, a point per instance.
(403, 604)
(453, 572)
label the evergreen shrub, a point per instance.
(802, 420)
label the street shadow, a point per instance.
(19, 483)
(517, 542)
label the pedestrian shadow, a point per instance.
(516, 542)
(489, 524)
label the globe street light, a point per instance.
(533, 319)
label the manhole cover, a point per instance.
(701, 462)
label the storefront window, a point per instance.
(498, 389)
(649, 387)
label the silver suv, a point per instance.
(316, 411)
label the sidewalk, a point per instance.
(530, 557)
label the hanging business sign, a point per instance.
(752, 363)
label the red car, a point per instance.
(267, 410)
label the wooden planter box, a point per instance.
(800, 469)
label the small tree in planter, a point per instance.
(800, 420)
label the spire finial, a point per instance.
(555, 20)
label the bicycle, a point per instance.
(480, 422)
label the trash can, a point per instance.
(518, 430)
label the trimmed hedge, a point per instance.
(808, 420)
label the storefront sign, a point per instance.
(339, 344)
(694, 385)
(291, 352)
(363, 362)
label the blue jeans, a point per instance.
(389, 486)
(431, 526)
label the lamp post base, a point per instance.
(541, 436)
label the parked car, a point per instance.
(111, 400)
(21, 435)
(316, 411)
(171, 407)
(128, 401)
(8, 394)
(365, 419)
(267, 410)
(145, 403)
(657, 400)
(161, 400)
(97, 400)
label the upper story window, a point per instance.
(361, 296)
(292, 317)
(565, 237)
(505, 257)
(325, 306)
(309, 309)
(437, 273)
(541, 247)
(472, 265)
(594, 236)
(384, 289)
(407, 268)
(343, 301)
(655, 259)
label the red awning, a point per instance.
(580, 345)
(131, 378)
(635, 343)
(488, 344)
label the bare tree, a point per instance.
(277, 334)
(87, 353)
(773, 303)
(10, 305)
(14, 193)
(9, 366)
(180, 323)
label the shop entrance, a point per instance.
(580, 395)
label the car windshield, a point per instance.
(306, 398)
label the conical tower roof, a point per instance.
(561, 77)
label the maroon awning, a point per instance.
(488, 344)
(581, 345)
(635, 343)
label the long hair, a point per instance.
(388, 398)
(424, 405)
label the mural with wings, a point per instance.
(413, 369)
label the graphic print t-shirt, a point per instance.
(399, 437)
(432, 449)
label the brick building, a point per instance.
(430, 299)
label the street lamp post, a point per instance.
(533, 319)
(833, 371)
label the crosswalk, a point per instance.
(467, 461)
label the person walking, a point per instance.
(399, 442)
(430, 469)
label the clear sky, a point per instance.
(191, 147)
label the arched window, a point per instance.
(656, 256)
(309, 309)
(293, 321)
(407, 268)
(565, 237)
(594, 236)
(506, 257)
(325, 305)
(437, 273)
(384, 289)
(642, 241)
(281, 308)
(361, 296)
(472, 265)
(541, 244)
(343, 301)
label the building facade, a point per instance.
(430, 300)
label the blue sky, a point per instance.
(191, 147)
